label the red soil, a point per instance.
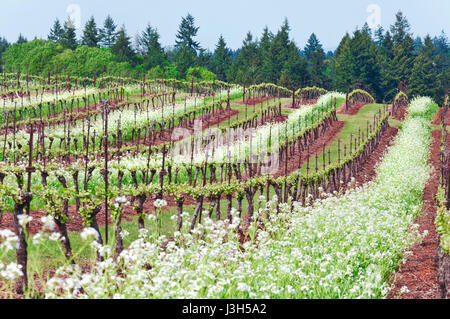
(400, 112)
(315, 148)
(353, 108)
(367, 172)
(420, 271)
(438, 117)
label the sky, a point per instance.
(328, 19)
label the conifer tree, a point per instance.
(122, 47)
(379, 36)
(69, 37)
(222, 59)
(316, 58)
(277, 54)
(247, 66)
(424, 76)
(108, 33)
(91, 36)
(56, 32)
(150, 47)
(187, 31)
(21, 39)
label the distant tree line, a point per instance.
(378, 59)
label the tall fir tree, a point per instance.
(246, 69)
(343, 65)
(442, 58)
(186, 45)
(151, 48)
(4, 44)
(379, 36)
(364, 57)
(418, 43)
(316, 59)
(185, 59)
(108, 33)
(403, 52)
(122, 47)
(277, 54)
(187, 31)
(385, 57)
(295, 69)
(424, 76)
(400, 29)
(21, 39)
(311, 46)
(56, 32)
(91, 36)
(222, 59)
(265, 42)
(205, 59)
(69, 38)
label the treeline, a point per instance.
(378, 59)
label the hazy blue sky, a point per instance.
(329, 19)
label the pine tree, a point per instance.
(343, 65)
(185, 59)
(205, 59)
(403, 52)
(108, 33)
(150, 47)
(187, 31)
(417, 44)
(248, 63)
(379, 36)
(400, 29)
(3, 46)
(222, 59)
(385, 57)
(424, 76)
(316, 58)
(311, 46)
(69, 38)
(277, 55)
(344, 40)
(91, 36)
(122, 47)
(295, 70)
(265, 42)
(21, 39)
(366, 29)
(403, 60)
(57, 32)
(364, 57)
(442, 58)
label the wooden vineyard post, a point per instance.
(105, 171)
(293, 98)
(346, 99)
(393, 104)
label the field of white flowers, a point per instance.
(340, 246)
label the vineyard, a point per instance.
(117, 187)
